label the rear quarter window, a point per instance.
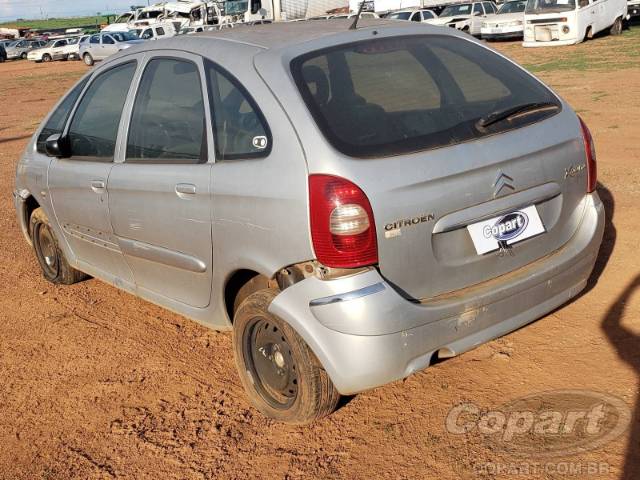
(399, 95)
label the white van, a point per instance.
(566, 22)
(156, 31)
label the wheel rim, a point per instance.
(87, 59)
(270, 363)
(48, 250)
(46, 58)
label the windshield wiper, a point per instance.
(507, 113)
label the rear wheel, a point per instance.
(88, 59)
(46, 57)
(280, 373)
(53, 263)
(24, 56)
(616, 28)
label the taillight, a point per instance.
(590, 151)
(342, 227)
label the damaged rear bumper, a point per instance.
(366, 334)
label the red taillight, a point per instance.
(342, 227)
(590, 151)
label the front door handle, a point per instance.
(98, 186)
(185, 189)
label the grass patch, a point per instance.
(54, 23)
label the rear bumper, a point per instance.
(365, 334)
(502, 36)
(552, 43)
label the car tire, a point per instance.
(54, 264)
(88, 60)
(616, 28)
(23, 56)
(281, 375)
(46, 58)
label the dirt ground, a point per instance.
(95, 383)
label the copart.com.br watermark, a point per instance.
(549, 424)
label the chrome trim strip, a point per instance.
(161, 255)
(345, 297)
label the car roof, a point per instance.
(281, 34)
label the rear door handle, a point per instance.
(98, 186)
(185, 189)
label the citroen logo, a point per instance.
(503, 181)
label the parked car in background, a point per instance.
(507, 24)
(633, 8)
(412, 14)
(103, 45)
(21, 48)
(157, 31)
(73, 46)
(566, 22)
(54, 50)
(3, 54)
(417, 215)
(467, 17)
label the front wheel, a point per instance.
(23, 56)
(46, 58)
(53, 263)
(280, 373)
(616, 28)
(88, 59)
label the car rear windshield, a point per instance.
(398, 95)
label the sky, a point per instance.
(36, 9)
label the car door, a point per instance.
(78, 184)
(108, 46)
(58, 50)
(476, 19)
(93, 47)
(159, 194)
(427, 15)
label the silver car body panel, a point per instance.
(178, 249)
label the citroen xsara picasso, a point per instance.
(351, 203)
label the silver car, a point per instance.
(352, 204)
(19, 49)
(103, 45)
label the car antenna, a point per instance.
(354, 25)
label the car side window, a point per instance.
(427, 15)
(58, 119)
(477, 9)
(239, 127)
(147, 34)
(94, 128)
(416, 17)
(488, 7)
(108, 40)
(95, 39)
(160, 31)
(168, 121)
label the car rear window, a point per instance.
(399, 95)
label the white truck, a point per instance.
(245, 11)
(183, 13)
(383, 6)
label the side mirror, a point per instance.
(57, 146)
